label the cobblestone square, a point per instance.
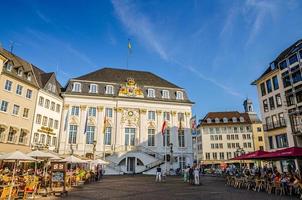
(144, 187)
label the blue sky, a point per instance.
(213, 49)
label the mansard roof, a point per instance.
(209, 119)
(119, 76)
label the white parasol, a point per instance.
(16, 157)
(73, 159)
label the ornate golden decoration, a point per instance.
(46, 130)
(187, 113)
(130, 89)
(173, 113)
(158, 112)
(100, 108)
(66, 106)
(83, 107)
(143, 111)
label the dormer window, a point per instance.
(9, 67)
(109, 89)
(234, 119)
(53, 88)
(225, 120)
(20, 72)
(216, 120)
(28, 77)
(151, 93)
(209, 120)
(93, 88)
(76, 87)
(241, 119)
(165, 94)
(179, 95)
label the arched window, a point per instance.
(225, 120)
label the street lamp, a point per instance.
(94, 149)
(171, 153)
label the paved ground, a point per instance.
(144, 187)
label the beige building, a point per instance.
(18, 94)
(225, 135)
(47, 116)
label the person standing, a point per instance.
(158, 174)
(196, 176)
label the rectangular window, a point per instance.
(42, 139)
(214, 156)
(19, 89)
(129, 136)
(263, 90)
(48, 141)
(52, 106)
(265, 105)
(75, 110)
(92, 111)
(221, 155)
(54, 141)
(283, 65)
(36, 137)
(269, 86)
(107, 136)
(275, 83)
(90, 134)
(208, 156)
(179, 95)
(180, 116)
(38, 119)
(41, 101)
(8, 85)
(58, 108)
(47, 102)
(108, 112)
(293, 59)
(181, 138)
(29, 94)
(50, 123)
(109, 89)
(93, 88)
(44, 121)
(278, 100)
(166, 137)
(281, 141)
(25, 112)
(166, 116)
(4, 106)
(260, 139)
(165, 94)
(56, 124)
(16, 109)
(151, 137)
(76, 87)
(296, 74)
(73, 130)
(271, 103)
(300, 53)
(151, 93)
(151, 115)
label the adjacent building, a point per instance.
(280, 97)
(47, 116)
(120, 114)
(225, 135)
(18, 94)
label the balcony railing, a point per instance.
(274, 125)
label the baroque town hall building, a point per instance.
(118, 114)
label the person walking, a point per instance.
(191, 176)
(158, 174)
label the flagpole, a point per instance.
(166, 141)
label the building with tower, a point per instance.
(119, 114)
(225, 135)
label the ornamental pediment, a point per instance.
(130, 89)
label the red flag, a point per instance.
(163, 128)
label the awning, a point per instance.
(256, 155)
(289, 153)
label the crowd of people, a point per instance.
(267, 179)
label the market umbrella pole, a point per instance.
(12, 183)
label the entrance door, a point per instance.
(129, 136)
(130, 164)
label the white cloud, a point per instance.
(139, 25)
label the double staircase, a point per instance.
(120, 150)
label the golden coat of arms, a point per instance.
(130, 89)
